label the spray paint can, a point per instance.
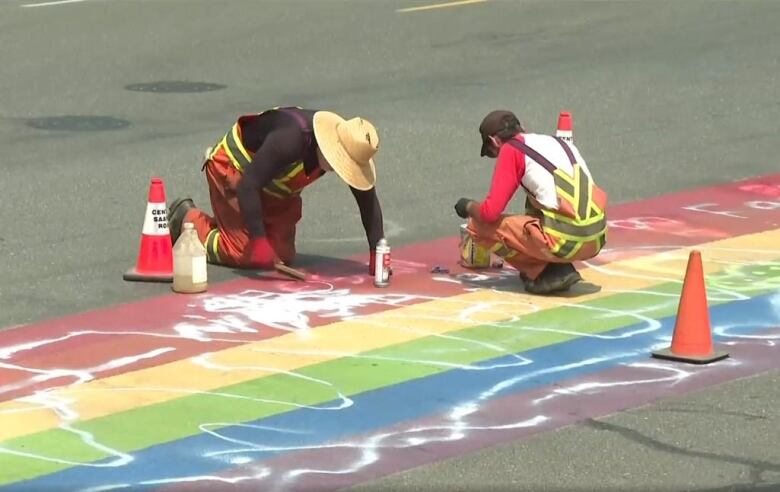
(382, 264)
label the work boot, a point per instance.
(176, 213)
(556, 277)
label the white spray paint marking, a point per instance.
(287, 311)
(225, 325)
(237, 318)
(371, 446)
(449, 280)
(8, 352)
(213, 429)
(263, 473)
(80, 375)
(219, 394)
(456, 427)
(345, 401)
(521, 361)
(62, 408)
(720, 288)
(677, 375)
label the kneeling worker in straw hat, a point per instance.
(255, 175)
(565, 217)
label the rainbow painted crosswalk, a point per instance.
(270, 383)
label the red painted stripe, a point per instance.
(713, 213)
(733, 209)
(86, 341)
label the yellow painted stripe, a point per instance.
(440, 5)
(299, 349)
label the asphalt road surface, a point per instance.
(665, 96)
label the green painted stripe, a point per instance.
(146, 426)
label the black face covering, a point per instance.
(488, 149)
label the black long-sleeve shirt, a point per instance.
(276, 140)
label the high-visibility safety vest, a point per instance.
(292, 179)
(579, 222)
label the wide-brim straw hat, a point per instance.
(349, 147)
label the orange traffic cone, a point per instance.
(155, 257)
(565, 130)
(692, 338)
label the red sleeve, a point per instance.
(510, 168)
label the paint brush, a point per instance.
(290, 272)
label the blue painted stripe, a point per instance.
(204, 454)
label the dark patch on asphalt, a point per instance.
(712, 410)
(757, 467)
(174, 86)
(75, 123)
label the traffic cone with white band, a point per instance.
(155, 256)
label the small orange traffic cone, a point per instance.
(155, 256)
(565, 130)
(692, 338)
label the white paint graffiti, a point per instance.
(237, 318)
(79, 375)
(716, 209)
(285, 311)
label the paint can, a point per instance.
(382, 264)
(472, 255)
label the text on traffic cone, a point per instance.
(155, 254)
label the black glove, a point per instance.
(462, 207)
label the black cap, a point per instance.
(495, 122)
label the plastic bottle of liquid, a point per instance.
(190, 273)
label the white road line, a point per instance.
(456, 3)
(47, 4)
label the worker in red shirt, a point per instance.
(256, 172)
(565, 218)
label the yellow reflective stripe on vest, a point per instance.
(570, 237)
(273, 193)
(565, 185)
(235, 149)
(212, 246)
(595, 211)
(587, 225)
(576, 190)
(297, 168)
(278, 187)
(567, 249)
(213, 150)
(584, 192)
(582, 230)
(563, 194)
(502, 251)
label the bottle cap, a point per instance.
(188, 225)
